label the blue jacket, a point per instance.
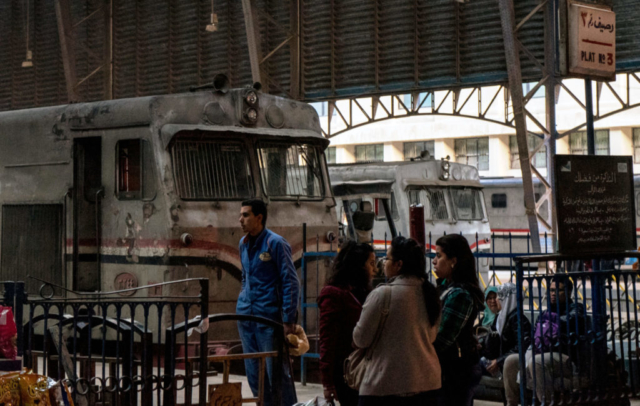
(270, 285)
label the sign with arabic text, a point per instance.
(592, 41)
(595, 203)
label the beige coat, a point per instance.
(404, 360)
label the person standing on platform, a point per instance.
(270, 289)
(462, 299)
(340, 303)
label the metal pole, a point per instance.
(591, 136)
(551, 60)
(512, 56)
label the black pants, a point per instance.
(457, 389)
(421, 399)
(346, 395)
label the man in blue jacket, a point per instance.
(270, 288)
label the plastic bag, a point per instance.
(10, 389)
(8, 333)
(299, 342)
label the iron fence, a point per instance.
(584, 330)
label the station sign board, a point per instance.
(592, 41)
(594, 203)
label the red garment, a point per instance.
(339, 314)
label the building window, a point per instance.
(331, 155)
(414, 149)
(539, 159)
(578, 142)
(370, 153)
(135, 179)
(526, 88)
(499, 200)
(423, 101)
(636, 145)
(474, 152)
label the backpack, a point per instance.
(547, 332)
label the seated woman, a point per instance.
(340, 304)
(505, 342)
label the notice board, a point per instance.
(595, 203)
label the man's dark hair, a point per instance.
(257, 207)
(565, 281)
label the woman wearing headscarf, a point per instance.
(506, 326)
(491, 306)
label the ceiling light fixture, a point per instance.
(28, 62)
(213, 24)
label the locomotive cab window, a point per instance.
(468, 204)
(210, 169)
(134, 170)
(432, 199)
(291, 171)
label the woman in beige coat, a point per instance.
(404, 367)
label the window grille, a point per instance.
(331, 155)
(433, 200)
(539, 159)
(370, 153)
(636, 145)
(467, 203)
(291, 170)
(414, 149)
(474, 152)
(211, 170)
(578, 142)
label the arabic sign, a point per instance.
(592, 41)
(595, 205)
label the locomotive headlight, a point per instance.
(444, 169)
(446, 166)
(251, 98)
(251, 115)
(444, 176)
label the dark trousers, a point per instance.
(421, 399)
(346, 395)
(457, 389)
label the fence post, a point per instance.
(18, 311)
(204, 335)
(521, 350)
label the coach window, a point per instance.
(432, 199)
(499, 200)
(134, 170)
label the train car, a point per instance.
(116, 194)
(450, 193)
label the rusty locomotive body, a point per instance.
(110, 195)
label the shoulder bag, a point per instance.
(355, 366)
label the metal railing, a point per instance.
(585, 347)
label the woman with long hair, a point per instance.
(340, 304)
(404, 368)
(462, 299)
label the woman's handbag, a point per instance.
(355, 366)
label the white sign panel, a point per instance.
(592, 41)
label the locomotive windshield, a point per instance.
(291, 170)
(468, 204)
(208, 169)
(433, 200)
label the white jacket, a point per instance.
(403, 360)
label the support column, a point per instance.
(67, 47)
(512, 55)
(252, 27)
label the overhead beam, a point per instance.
(67, 47)
(252, 27)
(512, 55)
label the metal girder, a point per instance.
(69, 47)
(259, 73)
(512, 54)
